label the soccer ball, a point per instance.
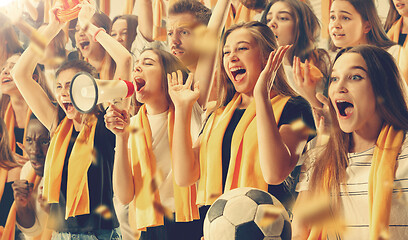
(247, 214)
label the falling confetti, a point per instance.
(271, 213)
(104, 211)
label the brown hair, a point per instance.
(266, 40)
(7, 34)
(6, 155)
(169, 64)
(368, 12)
(307, 30)
(132, 22)
(390, 104)
(392, 16)
(201, 13)
(101, 20)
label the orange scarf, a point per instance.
(159, 32)
(143, 164)
(10, 120)
(9, 229)
(244, 167)
(402, 60)
(78, 164)
(242, 14)
(382, 171)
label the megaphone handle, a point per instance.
(118, 102)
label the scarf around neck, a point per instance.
(143, 212)
(380, 183)
(82, 155)
(10, 121)
(244, 167)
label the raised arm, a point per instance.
(205, 66)
(117, 121)
(277, 147)
(32, 92)
(186, 166)
(145, 18)
(119, 53)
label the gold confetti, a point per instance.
(380, 100)
(104, 211)
(133, 130)
(384, 234)
(271, 213)
(206, 42)
(299, 125)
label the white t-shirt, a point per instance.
(161, 149)
(355, 200)
(40, 214)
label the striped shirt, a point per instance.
(354, 193)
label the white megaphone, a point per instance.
(86, 92)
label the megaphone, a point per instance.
(86, 92)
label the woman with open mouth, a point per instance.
(143, 173)
(396, 26)
(247, 140)
(79, 163)
(358, 162)
(293, 22)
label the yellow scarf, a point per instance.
(144, 168)
(79, 162)
(242, 14)
(8, 232)
(380, 183)
(402, 60)
(10, 121)
(244, 167)
(159, 32)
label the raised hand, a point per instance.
(22, 192)
(117, 120)
(86, 13)
(267, 77)
(322, 119)
(182, 94)
(305, 83)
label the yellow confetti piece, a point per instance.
(104, 211)
(299, 125)
(271, 213)
(205, 41)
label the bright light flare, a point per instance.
(4, 3)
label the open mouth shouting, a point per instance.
(238, 73)
(68, 106)
(140, 83)
(84, 45)
(344, 108)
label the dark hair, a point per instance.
(201, 13)
(254, 4)
(306, 33)
(78, 65)
(266, 41)
(132, 22)
(6, 155)
(392, 16)
(169, 64)
(390, 104)
(368, 12)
